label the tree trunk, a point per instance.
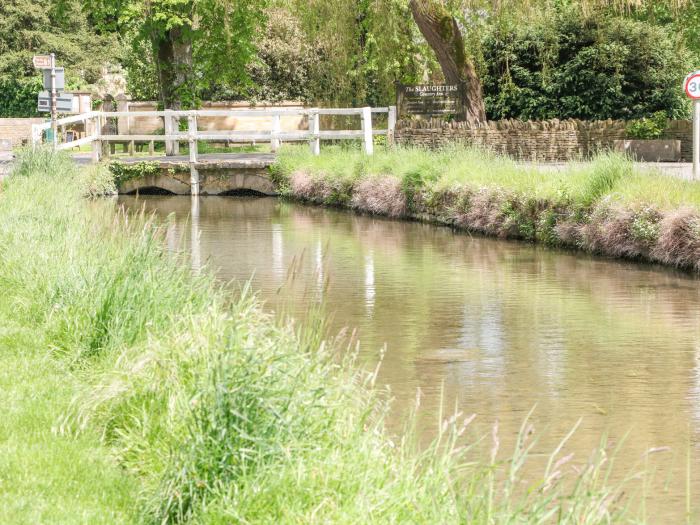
(174, 63)
(174, 60)
(443, 35)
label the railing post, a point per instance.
(168, 125)
(96, 143)
(315, 128)
(192, 137)
(106, 146)
(132, 145)
(176, 131)
(391, 128)
(276, 129)
(367, 130)
(36, 136)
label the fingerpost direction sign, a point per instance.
(42, 61)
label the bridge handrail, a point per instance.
(282, 112)
(94, 126)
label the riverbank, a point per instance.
(605, 207)
(152, 395)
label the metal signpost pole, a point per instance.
(696, 139)
(54, 127)
(692, 89)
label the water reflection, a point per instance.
(195, 244)
(495, 327)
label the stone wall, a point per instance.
(541, 141)
(15, 132)
(150, 125)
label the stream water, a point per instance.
(495, 327)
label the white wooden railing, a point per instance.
(94, 124)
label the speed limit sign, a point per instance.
(692, 85)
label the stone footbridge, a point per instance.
(219, 174)
(211, 174)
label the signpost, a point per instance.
(692, 89)
(64, 102)
(48, 64)
(42, 61)
(60, 79)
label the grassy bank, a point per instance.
(605, 206)
(138, 392)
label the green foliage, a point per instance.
(29, 27)
(645, 226)
(286, 67)
(359, 49)
(141, 70)
(193, 47)
(567, 65)
(546, 228)
(123, 172)
(607, 172)
(648, 128)
(97, 181)
(18, 96)
(44, 160)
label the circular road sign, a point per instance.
(692, 85)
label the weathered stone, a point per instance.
(651, 150)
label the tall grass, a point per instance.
(606, 206)
(221, 413)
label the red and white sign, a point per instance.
(42, 61)
(692, 85)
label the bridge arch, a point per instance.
(224, 181)
(161, 181)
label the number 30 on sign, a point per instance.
(692, 85)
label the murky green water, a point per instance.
(495, 327)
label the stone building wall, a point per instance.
(15, 132)
(541, 141)
(150, 125)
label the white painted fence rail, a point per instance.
(94, 125)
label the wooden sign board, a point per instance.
(428, 100)
(42, 61)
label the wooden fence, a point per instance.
(98, 133)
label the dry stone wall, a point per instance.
(541, 141)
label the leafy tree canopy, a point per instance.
(29, 27)
(567, 65)
(194, 44)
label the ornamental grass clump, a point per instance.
(679, 239)
(380, 196)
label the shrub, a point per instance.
(648, 128)
(565, 64)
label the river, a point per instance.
(493, 327)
